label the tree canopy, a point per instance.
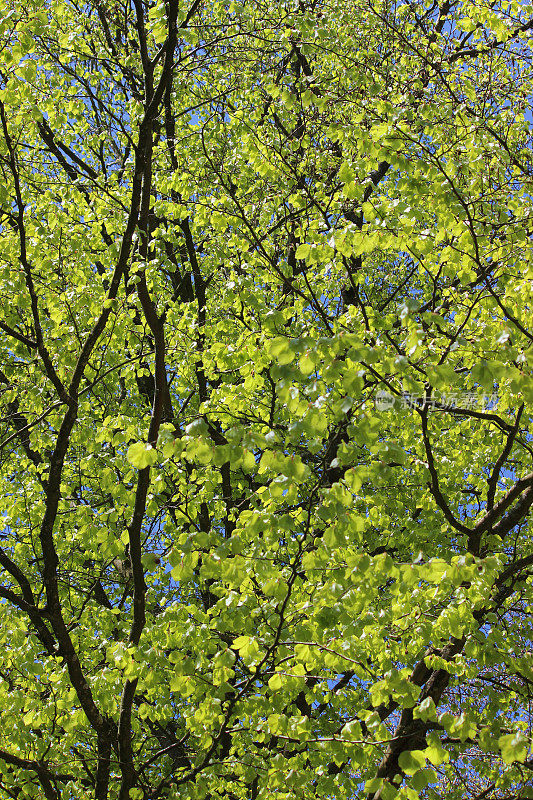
(266, 399)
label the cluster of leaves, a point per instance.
(225, 570)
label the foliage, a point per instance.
(266, 276)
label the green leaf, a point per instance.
(275, 682)
(422, 778)
(436, 754)
(513, 747)
(426, 710)
(307, 364)
(141, 455)
(302, 252)
(346, 173)
(411, 761)
(373, 785)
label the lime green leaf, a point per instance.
(141, 455)
(411, 761)
(275, 682)
(302, 252)
(513, 747)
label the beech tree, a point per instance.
(266, 276)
